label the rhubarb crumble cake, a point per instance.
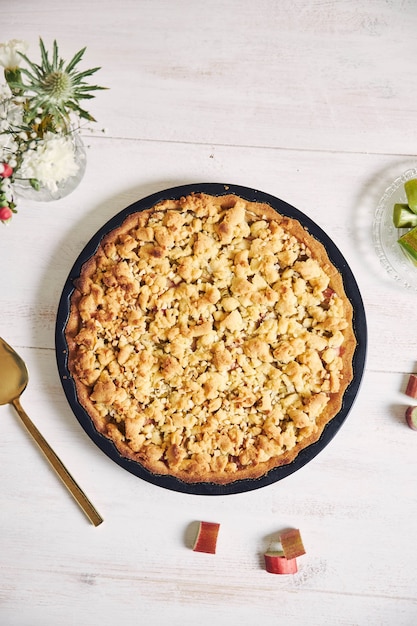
(210, 338)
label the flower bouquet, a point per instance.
(41, 152)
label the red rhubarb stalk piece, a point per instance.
(411, 389)
(206, 540)
(292, 544)
(277, 563)
(411, 417)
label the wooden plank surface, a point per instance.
(315, 103)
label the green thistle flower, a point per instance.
(53, 87)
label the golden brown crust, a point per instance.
(210, 338)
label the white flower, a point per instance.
(8, 145)
(10, 112)
(52, 161)
(11, 117)
(9, 57)
(6, 189)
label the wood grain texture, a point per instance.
(312, 101)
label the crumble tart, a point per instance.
(210, 338)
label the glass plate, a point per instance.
(385, 235)
(306, 455)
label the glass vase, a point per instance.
(65, 186)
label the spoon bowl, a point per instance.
(14, 378)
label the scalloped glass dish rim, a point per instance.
(385, 235)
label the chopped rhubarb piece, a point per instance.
(327, 293)
(206, 539)
(411, 389)
(410, 187)
(408, 243)
(292, 544)
(277, 563)
(403, 217)
(411, 417)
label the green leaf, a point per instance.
(44, 54)
(89, 88)
(75, 60)
(37, 69)
(85, 115)
(80, 75)
(35, 183)
(55, 56)
(32, 86)
(83, 96)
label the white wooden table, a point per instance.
(313, 102)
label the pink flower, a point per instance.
(5, 214)
(5, 170)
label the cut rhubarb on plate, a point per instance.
(206, 539)
(411, 389)
(411, 417)
(277, 563)
(410, 187)
(292, 544)
(408, 243)
(403, 217)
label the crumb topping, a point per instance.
(209, 339)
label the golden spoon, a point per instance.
(13, 381)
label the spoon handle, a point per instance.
(58, 466)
